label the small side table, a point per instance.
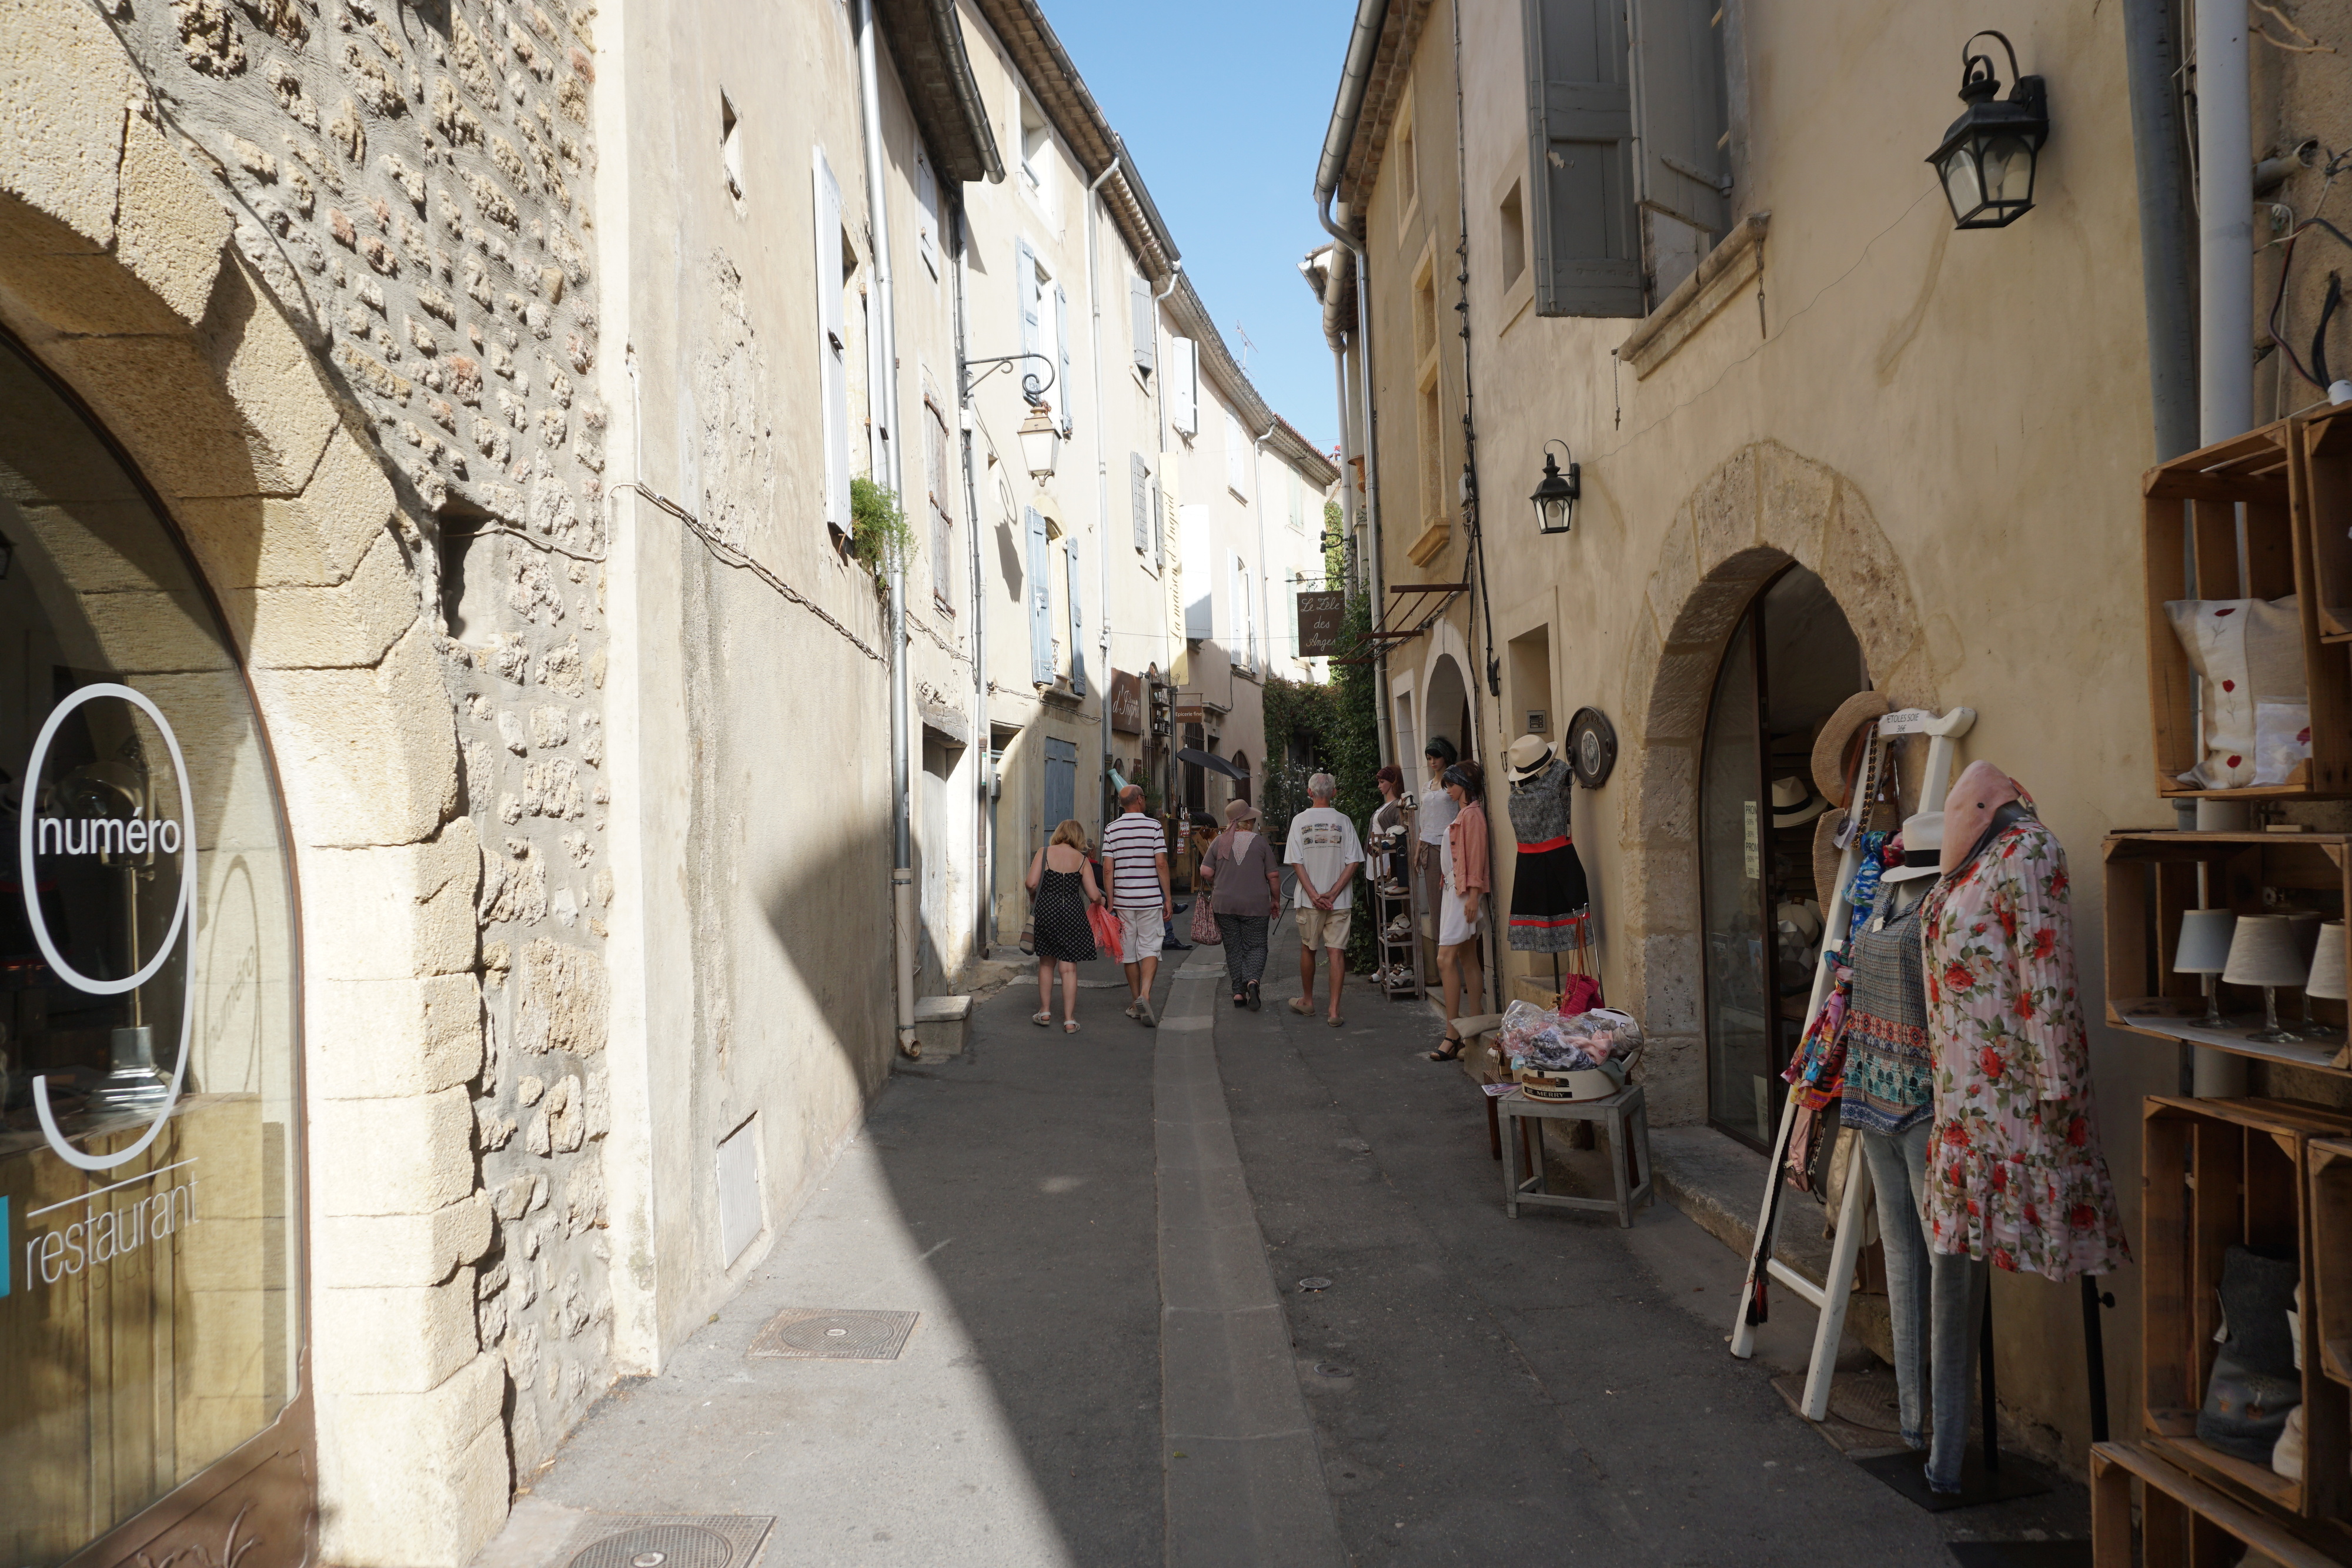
(1625, 1119)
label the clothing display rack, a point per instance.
(1831, 1297)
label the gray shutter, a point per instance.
(1024, 280)
(1041, 600)
(1158, 526)
(1579, 137)
(1183, 386)
(1062, 344)
(833, 343)
(1139, 473)
(1078, 623)
(1147, 330)
(1678, 111)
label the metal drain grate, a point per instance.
(669, 1540)
(805, 1334)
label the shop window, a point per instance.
(151, 1235)
(1788, 665)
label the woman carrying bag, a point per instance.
(1234, 866)
(1063, 895)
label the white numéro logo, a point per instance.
(160, 835)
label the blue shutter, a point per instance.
(1062, 342)
(1041, 600)
(1077, 627)
(1580, 156)
(1024, 281)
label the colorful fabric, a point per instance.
(1869, 864)
(1889, 1072)
(2016, 1175)
(1817, 1070)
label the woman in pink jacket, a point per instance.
(1461, 907)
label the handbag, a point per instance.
(1206, 932)
(1106, 930)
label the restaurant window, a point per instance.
(150, 1236)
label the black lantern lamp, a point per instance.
(1986, 162)
(1555, 497)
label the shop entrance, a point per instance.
(1789, 663)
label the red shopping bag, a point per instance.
(1105, 928)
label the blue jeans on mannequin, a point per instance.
(1933, 1298)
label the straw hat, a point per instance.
(1529, 755)
(1923, 847)
(1793, 803)
(1837, 750)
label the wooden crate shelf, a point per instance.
(2328, 1291)
(2328, 469)
(2151, 879)
(2183, 1517)
(2219, 1173)
(2192, 504)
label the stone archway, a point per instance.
(118, 271)
(1762, 509)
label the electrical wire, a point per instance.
(727, 555)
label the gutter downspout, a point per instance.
(983, 926)
(2225, 298)
(1166, 558)
(902, 834)
(1102, 480)
(1355, 75)
(1265, 628)
(2152, 58)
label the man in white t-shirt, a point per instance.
(1323, 851)
(1135, 865)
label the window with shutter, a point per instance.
(1139, 473)
(1077, 620)
(1183, 386)
(1041, 600)
(1024, 284)
(1066, 395)
(833, 343)
(927, 212)
(1146, 330)
(936, 468)
(1579, 151)
(1237, 456)
(1680, 113)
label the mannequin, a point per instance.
(1549, 896)
(1888, 1102)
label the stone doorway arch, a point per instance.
(1762, 509)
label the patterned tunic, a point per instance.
(1888, 1065)
(2016, 1175)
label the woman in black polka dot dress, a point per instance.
(1062, 885)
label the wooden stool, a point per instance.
(1625, 1119)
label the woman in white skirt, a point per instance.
(1461, 907)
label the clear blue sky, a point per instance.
(1223, 105)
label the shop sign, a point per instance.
(133, 841)
(1189, 709)
(1125, 702)
(1320, 614)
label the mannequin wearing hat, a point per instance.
(1549, 896)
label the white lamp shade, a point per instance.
(2204, 941)
(2262, 953)
(2306, 922)
(2327, 964)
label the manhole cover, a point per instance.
(1869, 1399)
(1315, 1282)
(802, 1333)
(658, 1546)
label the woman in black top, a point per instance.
(1061, 883)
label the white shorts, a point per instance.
(1140, 934)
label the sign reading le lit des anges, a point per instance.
(1320, 614)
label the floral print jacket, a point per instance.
(2016, 1173)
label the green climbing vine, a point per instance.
(879, 532)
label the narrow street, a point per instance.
(1476, 1388)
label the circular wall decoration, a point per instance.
(1591, 748)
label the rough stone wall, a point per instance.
(410, 183)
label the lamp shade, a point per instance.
(2262, 953)
(2305, 923)
(2327, 964)
(2204, 941)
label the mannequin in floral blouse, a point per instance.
(2015, 1174)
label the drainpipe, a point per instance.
(1102, 482)
(2225, 358)
(2151, 59)
(902, 836)
(983, 925)
(1264, 594)
(1167, 563)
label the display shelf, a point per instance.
(2151, 880)
(2219, 1173)
(2328, 472)
(2177, 1508)
(2193, 505)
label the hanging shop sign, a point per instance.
(1125, 703)
(1191, 709)
(1591, 746)
(1321, 615)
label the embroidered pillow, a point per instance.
(2257, 714)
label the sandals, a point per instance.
(1301, 1006)
(1250, 992)
(1241, 999)
(1043, 1021)
(1451, 1048)
(1069, 1026)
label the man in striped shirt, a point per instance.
(1135, 861)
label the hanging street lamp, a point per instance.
(1555, 496)
(1986, 162)
(1041, 441)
